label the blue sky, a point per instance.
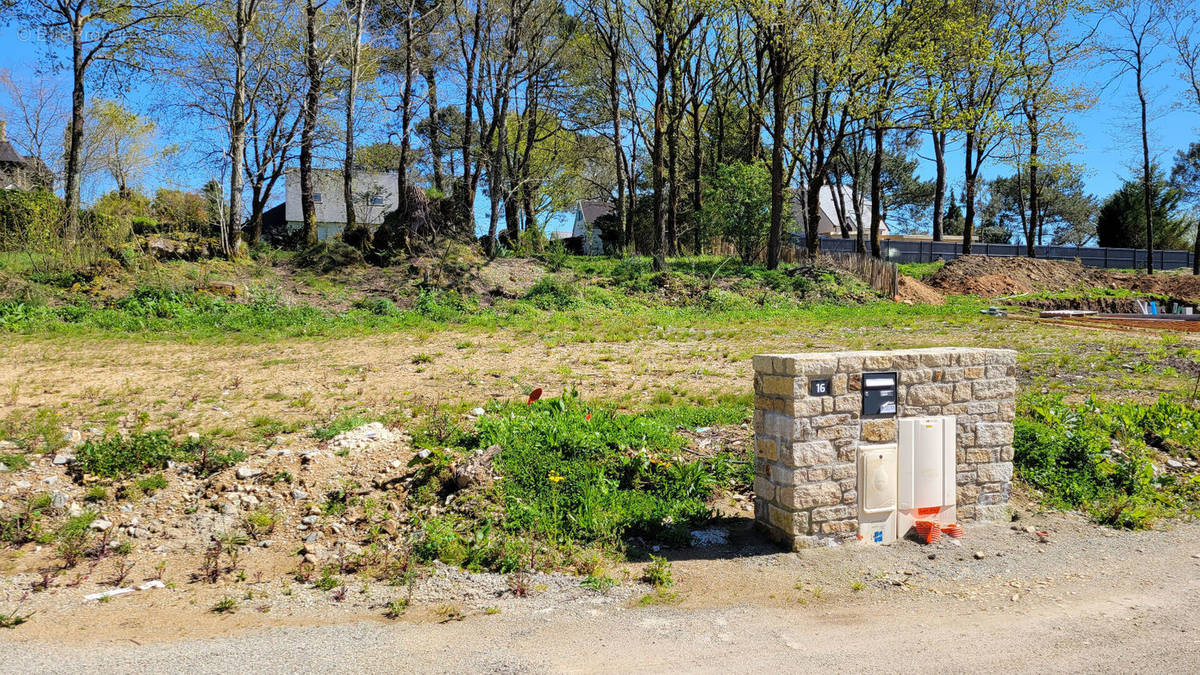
(1107, 141)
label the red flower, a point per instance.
(588, 417)
(534, 395)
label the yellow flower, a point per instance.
(554, 477)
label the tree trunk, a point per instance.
(435, 136)
(697, 149)
(1146, 178)
(656, 150)
(673, 166)
(312, 100)
(237, 129)
(877, 190)
(969, 193)
(74, 169)
(778, 68)
(614, 104)
(1034, 196)
(939, 185)
(351, 231)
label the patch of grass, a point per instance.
(396, 608)
(1096, 456)
(151, 484)
(225, 605)
(599, 583)
(14, 461)
(659, 597)
(261, 522)
(921, 270)
(119, 456)
(340, 425)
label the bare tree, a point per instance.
(1133, 51)
(35, 104)
(114, 37)
(315, 70)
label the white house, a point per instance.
(586, 213)
(836, 206)
(374, 197)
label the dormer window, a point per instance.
(316, 197)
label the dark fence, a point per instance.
(901, 251)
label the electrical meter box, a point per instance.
(926, 470)
(877, 494)
(878, 394)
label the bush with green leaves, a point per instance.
(576, 472)
(554, 293)
(737, 205)
(120, 456)
(1097, 456)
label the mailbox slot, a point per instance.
(879, 394)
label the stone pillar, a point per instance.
(806, 446)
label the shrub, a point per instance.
(658, 572)
(1097, 457)
(737, 206)
(579, 473)
(118, 456)
(554, 293)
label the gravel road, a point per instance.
(1092, 601)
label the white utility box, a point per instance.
(927, 470)
(877, 494)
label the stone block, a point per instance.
(918, 376)
(833, 433)
(827, 513)
(930, 394)
(783, 476)
(778, 385)
(839, 527)
(762, 364)
(764, 489)
(767, 448)
(825, 493)
(809, 453)
(878, 431)
(989, 389)
(819, 474)
(988, 434)
(781, 519)
(999, 472)
(850, 496)
(844, 471)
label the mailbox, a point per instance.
(879, 394)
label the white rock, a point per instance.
(154, 583)
(1174, 464)
(59, 499)
(101, 524)
(63, 459)
(245, 472)
(477, 411)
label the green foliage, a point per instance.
(555, 256)
(554, 293)
(583, 473)
(1096, 456)
(119, 456)
(340, 425)
(151, 484)
(1122, 220)
(23, 524)
(737, 206)
(658, 572)
(225, 605)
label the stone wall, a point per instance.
(806, 446)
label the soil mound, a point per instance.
(994, 277)
(910, 290)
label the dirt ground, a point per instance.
(996, 277)
(1090, 599)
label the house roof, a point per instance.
(591, 209)
(829, 197)
(9, 154)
